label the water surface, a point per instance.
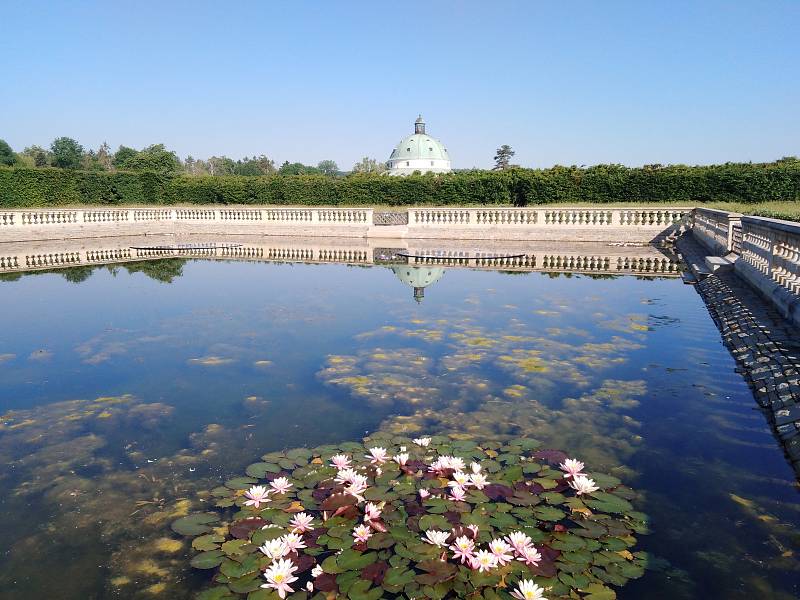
(128, 390)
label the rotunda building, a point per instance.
(418, 152)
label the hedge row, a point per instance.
(603, 184)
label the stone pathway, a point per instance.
(766, 347)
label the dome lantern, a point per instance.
(419, 125)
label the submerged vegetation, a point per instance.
(422, 518)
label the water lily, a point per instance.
(478, 480)
(280, 485)
(301, 523)
(518, 540)
(424, 441)
(424, 493)
(437, 538)
(257, 496)
(275, 548)
(316, 571)
(527, 590)
(361, 533)
(309, 586)
(371, 511)
(378, 455)
(294, 542)
(401, 459)
(457, 493)
(502, 550)
(345, 475)
(463, 549)
(340, 461)
(529, 555)
(357, 487)
(279, 575)
(484, 561)
(572, 467)
(583, 485)
(461, 479)
(474, 529)
(475, 467)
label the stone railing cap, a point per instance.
(718, 211)
(787, 226)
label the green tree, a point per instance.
(67, 153)
(36, 156)
(123, 158)
(502, 159)
(7, 156)
(369, 165)
(258, 165)
(221, 165)
(104, 156)
(328, 167)
(297, 168)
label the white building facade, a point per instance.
(418, 152)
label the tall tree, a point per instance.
(369, 165)
(7, 156)
(154, 158)
(67, 153)
(123, 157)
(297, 168)
(104, 156)
(328, 167)
(502, 159)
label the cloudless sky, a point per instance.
(562, 82)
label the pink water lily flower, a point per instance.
(529, 555)
(484, 561)
(257, 495)
(502, 550)
(340, 461)
(274, 548)
(474, 529)
(293, 541)
(280, 485)
(423, 493)
(478, 480)
(457, 493)
(345, 475)
(378, 455)
(460, 478)
(279, 575)
(518, 540)
(463, 549)
(372, 511)
(361, 533)
(572, 467)
(357, 487)
(301, 523)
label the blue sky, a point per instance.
(561, 82)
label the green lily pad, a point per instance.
(208, 560)
(194, 524)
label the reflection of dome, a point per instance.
(419, 152)
(418, 277)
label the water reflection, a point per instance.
(117, 419)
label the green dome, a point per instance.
(419, 145)
(418, 277)
(418, 152)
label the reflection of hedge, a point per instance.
(604, 183)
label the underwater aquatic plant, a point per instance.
(369, 531)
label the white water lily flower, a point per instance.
(583, 485)
(279, 575)
(461, 478)
(401, 459)
(276, 548)
(484, 561)
(377, 455)
(478, 480)
(257, 495)
(527, 590)
(316, 571)
(437, 538)
(424, 441)
(502, 550)
(345, 475)
(340, 461)
(519, 540)
(476, 467)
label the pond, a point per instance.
(128, 390)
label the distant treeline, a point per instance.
(739, 182)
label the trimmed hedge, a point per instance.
(733, 182)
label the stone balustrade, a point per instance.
(715, 229)
(770, 261)
(635, 225)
